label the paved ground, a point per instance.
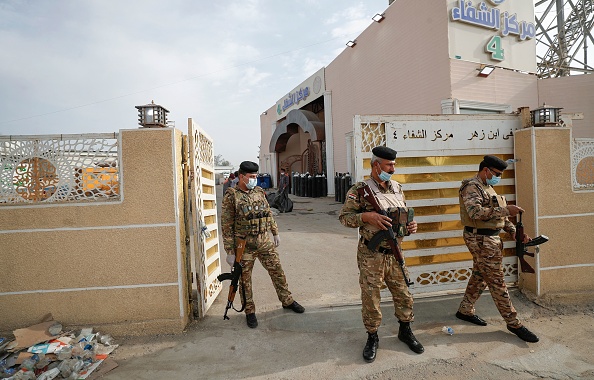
(326, 342)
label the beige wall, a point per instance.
(574, 94)
(505, 87)
(115, 266)
(398, 66)
(565, 265)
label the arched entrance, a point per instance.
(309, 153)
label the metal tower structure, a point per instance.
(564, 33)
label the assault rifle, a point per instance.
(387, 235)
(234, 276)
(522, 248)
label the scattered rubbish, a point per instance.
(448, 330)
(45, 352)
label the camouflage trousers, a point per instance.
(375, 270)
(487, 270)
(262, 248)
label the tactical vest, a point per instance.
(252, 212)
(489, 199)
(394, 204)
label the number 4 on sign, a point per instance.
(494, 47)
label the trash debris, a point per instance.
(45, 352)
(447, 330)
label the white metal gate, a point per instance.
(435, 152)
(203, 231)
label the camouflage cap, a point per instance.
(494, 162)
(249, 167)
(384, 152)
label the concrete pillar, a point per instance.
(565, 264)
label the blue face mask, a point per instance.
(383, 176)
(493, 181)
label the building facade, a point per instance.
(395, 85)
(421, 58)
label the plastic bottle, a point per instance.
(55, 329)
(70, 368)
(448, 330)
(64, 353)
(76, 365)
(10, 371)
(42, 362)
(106, 339)
(29, 363)
(64, 368)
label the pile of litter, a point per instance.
(44, 352)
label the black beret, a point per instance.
(494, 162)
(248, 167)
(384, 152)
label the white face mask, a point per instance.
(251, 183)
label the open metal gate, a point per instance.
(202, 231)
(435, 153)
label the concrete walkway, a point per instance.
(326, 342)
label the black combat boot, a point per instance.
(524, 334)
(405, 334)
(371, 347)
(251, 320)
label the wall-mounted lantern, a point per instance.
(545, 116)
(152, 116)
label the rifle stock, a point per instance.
(234, 276)
(366, 193)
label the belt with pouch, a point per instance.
(482, 231)
(385, 251)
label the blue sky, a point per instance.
(80, 66)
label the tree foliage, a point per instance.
(220, 161)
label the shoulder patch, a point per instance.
(352, 196)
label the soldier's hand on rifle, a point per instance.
(230, 260)
(276, 240)
(514, 210)
(412, 227)
(380, 221)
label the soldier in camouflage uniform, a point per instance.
(484, 214)
(246, 213)
(380, 265)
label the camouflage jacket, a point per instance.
(355, 205)
(479, 208)
(245, 213)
